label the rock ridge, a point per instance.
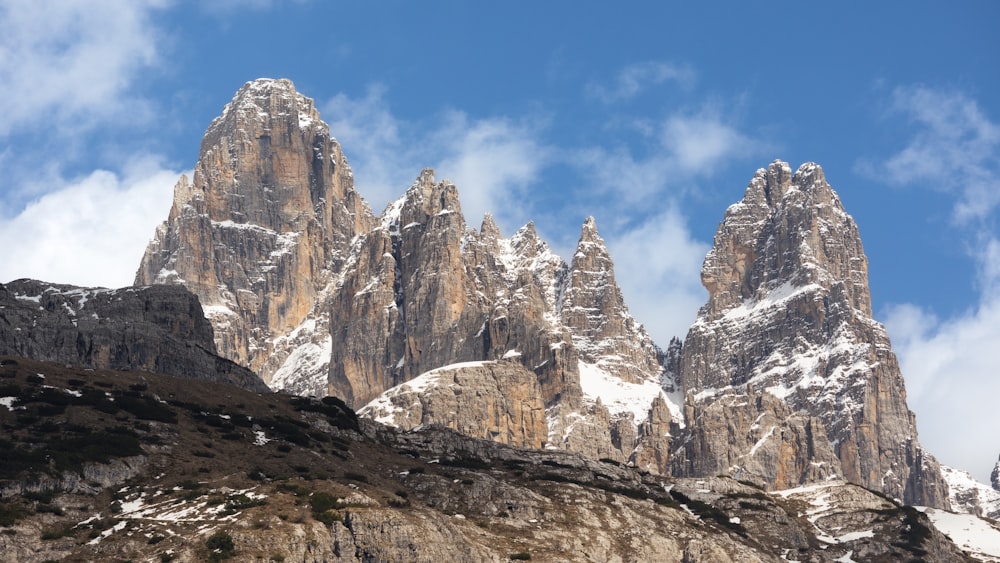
(158, 329)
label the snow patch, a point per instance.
(975, 535)
(621, 397)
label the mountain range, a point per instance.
(779, 421)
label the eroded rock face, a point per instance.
(263, 227)
(593, 310)
(156, 329)
(423, 292)
(499, 401)
(789, 317)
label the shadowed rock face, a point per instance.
(789, 317)
(263, 226)
(157, 329)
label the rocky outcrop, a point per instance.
(593, 310)
(789, 317)
(755, 438)
(262, 229)
(995, 476)
(499, 401)
(303, 284)
(967, 495)
(421, 291)
(294, 479)
(156, 329)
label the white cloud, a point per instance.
(698, 143)
(955, 148)
(490, 160)
(950, 364)
(90, 231)
(228, 7)
(634, 78)
(384, 159)
(658, 265)
(71, 64)
(686, 146)
(951, 368)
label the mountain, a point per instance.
(783, 383)
(261, 230)
(787, 378)
(159, 329)
(111, 466)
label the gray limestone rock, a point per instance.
(157, 329)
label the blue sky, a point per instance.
(650, 116)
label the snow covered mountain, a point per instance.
(415, 318)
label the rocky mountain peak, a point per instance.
(789, 317)
(268, 104)
(489, 231)
(264, 224)
(789, 230)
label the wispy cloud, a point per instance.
(228, 7)
(951, 367)
(89, 231)
(657, 258)
(954, 148)
(634, 78)
(71, 65)
(686, 146)
(491, 160)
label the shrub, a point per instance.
(520, 556)
(56, 533)
(321, 502)
(220, 545)
(328, 517)
(356, 476)
(240, 502)
(11, 513)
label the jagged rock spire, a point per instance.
(594, 311)
(788, 326)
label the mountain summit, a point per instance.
(787, 377)
(263, 226)
(415, 318)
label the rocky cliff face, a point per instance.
(423, 292)
(787, 378)
(784, 379)
(304, 285)
(262, 228)
(967, 495)
(155, 329)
